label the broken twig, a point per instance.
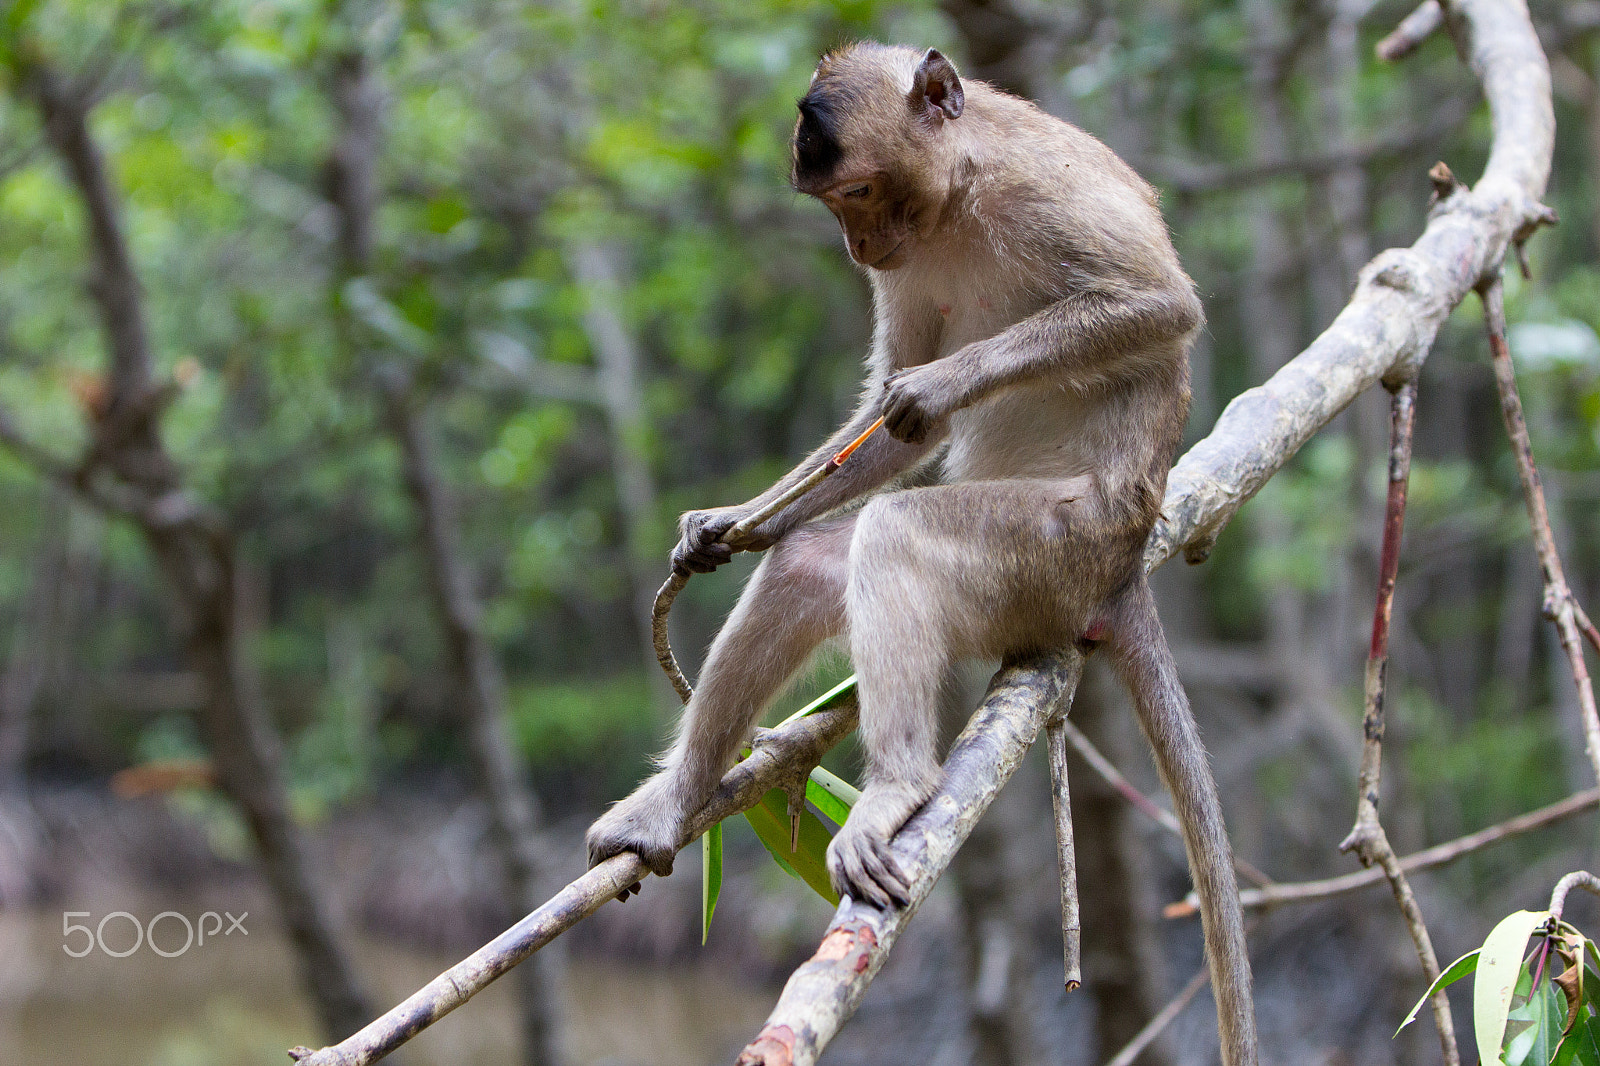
(1067, 860)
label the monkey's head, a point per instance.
(872, 144)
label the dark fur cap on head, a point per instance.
(817, 147)
(852, 100)
(820, 132)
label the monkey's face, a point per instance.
(869, 144)
(878, 218)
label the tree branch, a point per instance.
(825, 990)
(1401, 299)
(1415, 28)
(1438, 855)
(1560, 605)
(1138, 800)
(1368, 839)
(800, 743)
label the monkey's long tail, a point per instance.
(1140, 655)
(740, 532)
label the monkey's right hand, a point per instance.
(648, 823)
(701, 550)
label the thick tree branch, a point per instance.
(824, 991)
(1401, 299)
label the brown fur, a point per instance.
(1032, 331)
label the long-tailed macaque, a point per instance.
(1031, 337)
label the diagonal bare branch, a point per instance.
(799, 743)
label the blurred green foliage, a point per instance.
(514, 135)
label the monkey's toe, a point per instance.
(862, 867)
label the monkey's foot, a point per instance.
(649, 823)
(860, 862)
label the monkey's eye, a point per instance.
(859, 191)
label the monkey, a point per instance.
(1030, 346)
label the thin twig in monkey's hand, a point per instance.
(734, 537)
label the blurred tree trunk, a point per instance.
(479, 683)
(36, 637)
(480, 686)
(620, 371)
(195, 550)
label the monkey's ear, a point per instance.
(936, 87)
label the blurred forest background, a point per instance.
(356, 359)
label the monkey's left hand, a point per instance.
(861, 861)
(919, 400)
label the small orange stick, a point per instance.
(844, 453)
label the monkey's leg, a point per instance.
(794, 601)
(936, 575)
(1139, 653)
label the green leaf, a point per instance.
(1591, 988)
(770, 819)
(1587, 1033)
(1546, 1013)
(1499, 965)
(828, 699)
(710, 877)
(1452, 973)
(831, 794)
(1581, 1047)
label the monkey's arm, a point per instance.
(1088, 338)
(878, 459)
